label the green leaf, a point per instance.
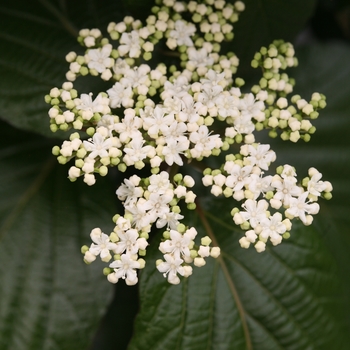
(285, 298)
(325, 68)
(49, 298)
(35, 37)
(264, 21)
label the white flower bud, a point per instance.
(53, 112)
(260, 246)
(301, 103)
(238, 219)
(238, 195)
(294, 136)
(244, 242)
(89, 41)
(251, 236)
(89, 257)
(216, 190)
(249, 138)
(207, 180)
(199, 262)
(68, 116)
(215, 252)
(275, 203)
(106, 75)
(230, 132)
(273, 122)
(282, 102)
(285, 114)
(71, 56)
(89, 179)
(189, 181)
(180, 191)
(305, 125)
(187, 271)
(74, 172)
(219, 180)
(204, 251)
(307, 109)
(190, 197)
(287, 223)
(112, 278)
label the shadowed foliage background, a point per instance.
(294, 296)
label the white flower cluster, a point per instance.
(161, 116)
(149, 201)
(242, 177)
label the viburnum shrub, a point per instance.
(160, 117)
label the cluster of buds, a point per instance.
(161, 117)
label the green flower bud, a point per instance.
(90, 131)
(62, 160)
(122, 167)
(181, 228)
(84, 249)
(56, 150)
(191, 206)
(106, 271)
(155, 170)
(286, 235)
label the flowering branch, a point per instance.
(162, 117)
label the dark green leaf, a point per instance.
(264, 21)
(35, 37)
(49, 299)
(285, 298)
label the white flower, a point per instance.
(130, 43)
(140, 217)
(99, 59)
(136, 151)
(128, 192)
(159, 204)
(157, 121)
(129, 127)
(259, 184)
(261, 156)
(89, 107)
(119, 95)
(178, 245)
(183, 32)
(238, 177)
(315, 186)
(272, 227)
(98, 146)
(171, 267)
(130, 242)
(255, 211)
(120, 67)
(159, 183)
(198, 58)
(101, 245)
(286, 189)
(125, 269)
(170, 219)
(298, 207)
(172, 151)
(204, 143)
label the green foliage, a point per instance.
(289, 297)
(49, 298)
